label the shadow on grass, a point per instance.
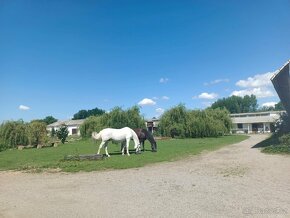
(272, 145)
(272, 140)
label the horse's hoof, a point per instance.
(154, 150)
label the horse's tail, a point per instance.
(96, 135)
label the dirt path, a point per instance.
(236, 181)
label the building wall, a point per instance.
(70, 130)
(248, 128)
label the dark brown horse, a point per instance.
(144, 134)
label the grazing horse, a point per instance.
(121, 135)
(144, 134)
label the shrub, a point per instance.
(285, 139)
(62, 133)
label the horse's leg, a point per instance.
(127, 146)
(101, 145)
(143, 147)
(106, 149)
(123, 147)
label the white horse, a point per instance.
(120, 135)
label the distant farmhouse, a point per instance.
(152, 124)
(259, 122)
(72, 125)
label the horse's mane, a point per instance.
(135, 138)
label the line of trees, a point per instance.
(14, 133)
(34, 133)
(237, 104)
(48, 120)
(248, 103)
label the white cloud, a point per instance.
(165, 97)
(258, 92)
(206, 95)
(269, 104)
(216, 82)
(259, 80)
(155, 98)
(159, 111)
(24, 108)
(146, 102)
(163, 80)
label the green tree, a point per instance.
(236, 104)
(53, 132)
(180, 122)
(13, 133)
(282, 126)
(174, 122)
(134, 118)
(62, 133)
(279, 106)
(82, 114)
(92, 124)
(37, 133)
(117, 118)
(49, 120)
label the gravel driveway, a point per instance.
(235, 181)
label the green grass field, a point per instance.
(37, 160)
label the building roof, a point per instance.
(281, 82)
(67, 122)
(257, 117)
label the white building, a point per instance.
(259, 122)
(72, 125)
(152, 124)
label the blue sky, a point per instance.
(58, 57)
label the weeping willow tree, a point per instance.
(174, 122)
(13, 133)
(183, 123)
(92, 124)
(37, 133)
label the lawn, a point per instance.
(53, 158)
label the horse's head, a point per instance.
(96, 135)
(137, 147)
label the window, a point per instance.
(74, 131)
(240, 125)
